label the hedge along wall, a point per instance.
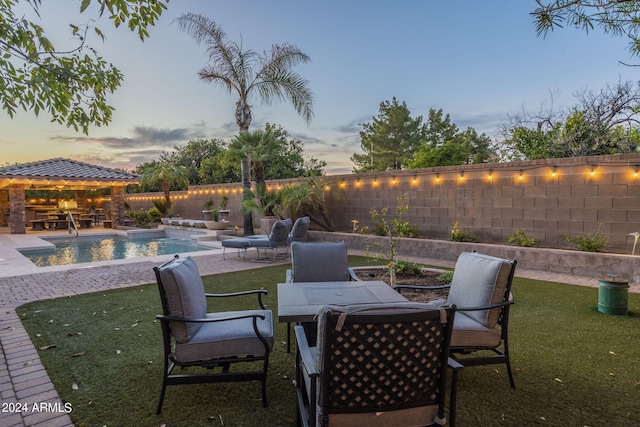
(547, 199)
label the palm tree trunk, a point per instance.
(245, 166)
(243, 120)
(166, 187)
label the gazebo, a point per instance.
(59, 174)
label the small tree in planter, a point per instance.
(394, 229)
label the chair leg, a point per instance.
(508, 363)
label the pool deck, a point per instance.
(23, 378)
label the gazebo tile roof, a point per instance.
(60, 168)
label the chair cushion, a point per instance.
(227, 338)
(319, 262)
(239, 243)
(479, 280)
(277, 237)
(185, 295)
(467, 332)
(299, 229)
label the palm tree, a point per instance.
(257, 146)
(246, 72)
(167, 175)
(308, 198)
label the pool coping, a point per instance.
(14, 263)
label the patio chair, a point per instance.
(377, 365)
(481, 291)
(299, 230)
(276, 240)
(318, 262)
(193, 337)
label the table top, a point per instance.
(301, 302)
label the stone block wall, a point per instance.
(547, 199)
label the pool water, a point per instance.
(77, 250)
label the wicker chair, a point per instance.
(193, 337)
(481, 290)
(376, 365)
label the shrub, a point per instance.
(589, 243)
(406, 267)
(446, 277)
(520, 239)
(458, 235)
(142, 218)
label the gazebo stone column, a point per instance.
(81, 200)
(117, 206)
(4, 206)
(17, 210)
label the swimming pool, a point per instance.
(77, 250)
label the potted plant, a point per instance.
(206, 213)
(215, 223)
(265, 204)
(224, 212)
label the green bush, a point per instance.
(446, 277)
(155, 214)
(406, 267)
(591, 242)
(142, 218)
(520, 239)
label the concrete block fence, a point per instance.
(546, 199)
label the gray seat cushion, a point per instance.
(238, 243)
(479, 280)
(185, 296)
(319, 262)
(228, 338)
(470, 333)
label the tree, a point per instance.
(308, 199)
(167, 175)
(247, 73)
(257, 147)
(604, 122)
(287, 160)
(193, 155)
(390, 140)
(70, 83)
(445, 145)
(617, 17)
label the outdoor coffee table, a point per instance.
(300, 302)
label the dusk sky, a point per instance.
(478, 61)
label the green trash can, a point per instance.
(613, 296)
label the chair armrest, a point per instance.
(289, 279)
(260, 292)
(422, 288)
(485, 307)
(352, 275)
(308, 363)
(208, 319)
(455, 365)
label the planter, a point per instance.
(266, 223)
(216, 225)
(224, 214)
(577, 263)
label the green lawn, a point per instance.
(573, 365)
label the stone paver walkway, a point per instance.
(23, 378)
